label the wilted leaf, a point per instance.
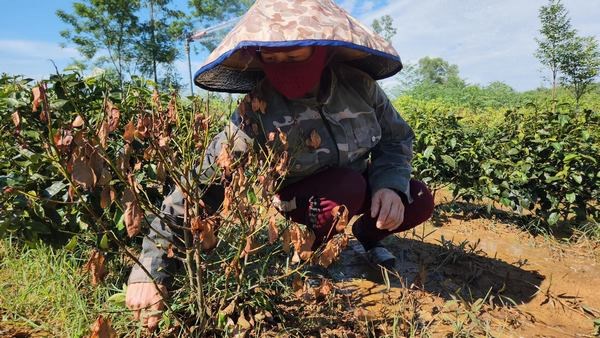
(250, 246)
(243, 323)
(16, 118)
(203, 230)
(224, 160)
(133, 215)
(172, 109)
(170, 251)
(102, 329)
(282, 164)
(96, 267)
(314, 140)
(340, 217)
(332, 250)
(259, 105)
(302, 239)
(83, 174)
(283, 138)
(37, 95)
(286, 240)
(103, 134)
(105, 177)
(107, 196)
(129, 133)
(273, 231)
(114, 115)
(161, 173)
(156, 99)
(77, 122)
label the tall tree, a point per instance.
(581, 65)
(556, 33)
(157, 45)
(99, 26)
(438, 71)
(384, 26)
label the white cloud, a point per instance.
(488, 40)
(33, 58)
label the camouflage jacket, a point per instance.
(354, 119)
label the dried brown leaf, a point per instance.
(303, 240)
(37, 96)
(282, 164)
(133, 215)
(283, 138)
(203, 230)
(103, 134)
(156, 99)
(250, 247)
(82, 173)
(105, 200)
(96, 267)
(172, 109)
(224, 160)
(259, 105)
(170, 251)
(161, 173)
(340, 218)
(16, 118)
(332, 250)
(102, 329)
(129, 133)
(273, 230)
(114, 116)
(77, 122)
(105, 177)
(314, 140)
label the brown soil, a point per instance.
(471, 276)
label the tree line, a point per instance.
(140, 37)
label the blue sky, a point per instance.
(490, 40)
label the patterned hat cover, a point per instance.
(233, 66)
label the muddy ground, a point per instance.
(468, 273)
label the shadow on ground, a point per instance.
(445, 269)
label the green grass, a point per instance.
(48, 290)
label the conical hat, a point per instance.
(233, 65)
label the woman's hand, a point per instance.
(388, 205)
(145, 300)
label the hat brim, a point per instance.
(239, 70)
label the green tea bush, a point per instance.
(540, 161)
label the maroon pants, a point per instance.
(318, 194)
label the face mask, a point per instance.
(295, 79)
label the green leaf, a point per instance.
(72, 244)
(104, 242)
(553, 218)
(118, 299)
(251, 196)
(54, 189)
(449, 161)
(121, 223)
(571, 197)
(428, 152)
(571, 156)
(577, 178)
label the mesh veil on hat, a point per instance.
(233, 65)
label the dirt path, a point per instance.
(478, 277)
